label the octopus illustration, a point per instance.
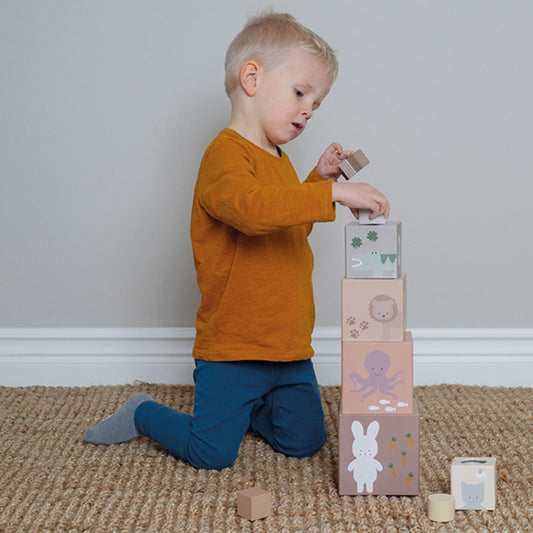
(377, 364)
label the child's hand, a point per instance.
(328, 164)
(361, 196)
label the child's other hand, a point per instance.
(361, 196)
(328, 164)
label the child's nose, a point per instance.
(307, 112)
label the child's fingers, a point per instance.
(379, 207)
(339, 152)
(336, 148)
(386, 209)
(344, 154)
(383, 206)
(374, 213)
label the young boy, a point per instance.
(250, 221)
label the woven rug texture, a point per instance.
(50, 481)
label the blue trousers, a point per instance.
(279, 401)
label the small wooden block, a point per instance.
(254, 503)
(364, 218)
(473, 482)
(353, 164)
(441, 507)
(379, 454)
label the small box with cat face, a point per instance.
(373, 309)
(373, 251)
(379, 454)
(473, 482)
(377, 377)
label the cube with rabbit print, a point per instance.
(377, 377)
(379, 454)
(373, 309)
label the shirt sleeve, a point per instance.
(314, 177)
(231, 191)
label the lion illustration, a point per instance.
(384, 309)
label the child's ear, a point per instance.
(249, 74)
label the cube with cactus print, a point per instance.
(373, 251)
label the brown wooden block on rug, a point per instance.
(379, 454)
(377, 377)
(353, 164)
(254, 503)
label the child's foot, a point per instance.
(120, 426)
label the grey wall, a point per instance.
(106, 108)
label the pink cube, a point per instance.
(377, 377)
(373, 309)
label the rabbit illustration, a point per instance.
(364, 448)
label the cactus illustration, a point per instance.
(372, 236)
(357, 242)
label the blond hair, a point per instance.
(266, 38)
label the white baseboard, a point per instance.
(111, 356)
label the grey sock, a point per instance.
(120, 426)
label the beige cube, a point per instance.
(473, 482)
(373, 309)
(254, 503)
(377, 377)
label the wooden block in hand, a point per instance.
(353, 164)
(364, 218)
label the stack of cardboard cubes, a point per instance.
(378, 420)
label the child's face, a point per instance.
(288, 94)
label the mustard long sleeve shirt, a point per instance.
(249, 226)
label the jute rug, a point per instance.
(50, 481)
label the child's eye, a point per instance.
(298, 93)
